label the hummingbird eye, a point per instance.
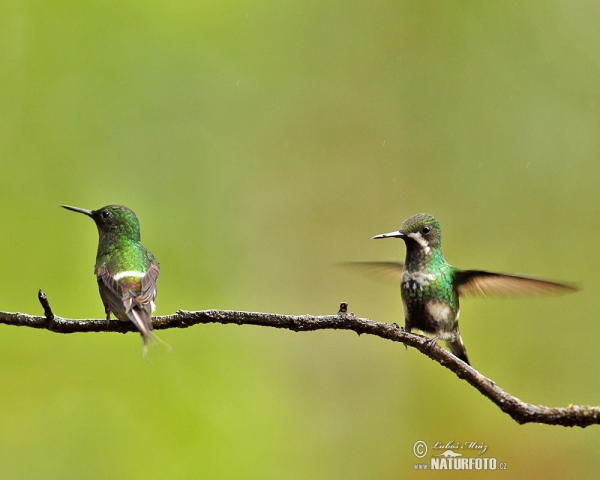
(105, 214)
(426, 229)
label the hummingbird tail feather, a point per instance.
(457, 347)
(143, 322)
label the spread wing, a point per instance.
(390, 270)
(482, 283)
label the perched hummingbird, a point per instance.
(126, 271)
(431, 288)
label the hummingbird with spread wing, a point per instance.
(431, 288)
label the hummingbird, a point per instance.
(431, 288)
(126, 271)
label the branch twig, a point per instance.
(521, 412)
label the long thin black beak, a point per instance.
(397, 234)
(80, 210)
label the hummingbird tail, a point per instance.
(143, 322)
(457, 347)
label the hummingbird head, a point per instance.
(421, 232)
(114, 222)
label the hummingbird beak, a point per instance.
(397, 234)
(80, 210)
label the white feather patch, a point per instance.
(438, 311)
(417, 279)
(128, 273)
(417, 237)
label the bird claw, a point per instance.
(432, 342)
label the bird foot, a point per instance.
(432, 342)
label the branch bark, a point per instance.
(521, 412)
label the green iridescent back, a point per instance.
(120, 247)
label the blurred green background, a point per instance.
(260, 143)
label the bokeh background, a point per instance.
(260, 143)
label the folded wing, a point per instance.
(131, 297)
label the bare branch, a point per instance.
(521, 412)
(45, 305)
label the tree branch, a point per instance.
(521, 412)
